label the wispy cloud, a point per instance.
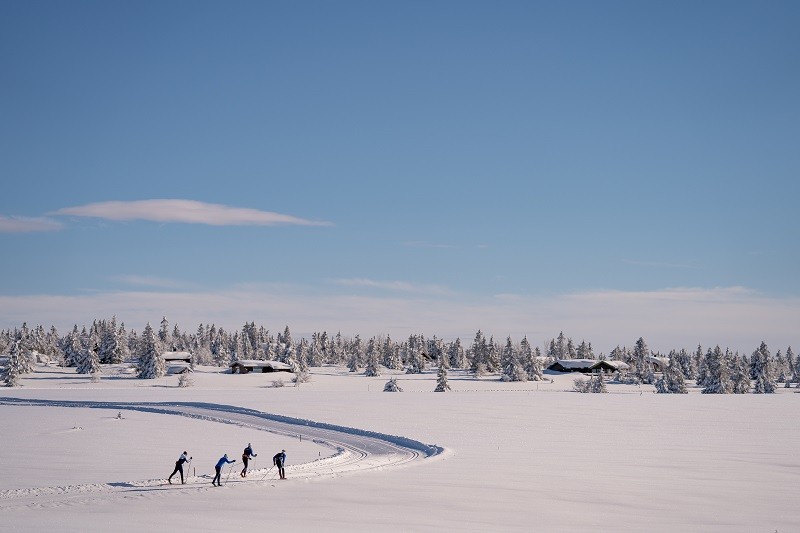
(425, 244)
(396, 286)
(185, 211)
(149, 281)
(28, 224)
(658, 264)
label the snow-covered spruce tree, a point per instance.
(415, 356)
(531, 360)
(479, 352)
(391, 355)
(718, 380)
(392, 386)
(597, 383)
(164, 338)
(493, 356)
(151, 364)
(441, 380)
(456, 354)
(373, 363)
(672, 380)
(765, 380)
(740, 375)
(110, 346)
(185, 380)
(686, 363)
(89, 362)
(356, 354)
(585, 350)
(641, 362)
(511, 366)
(12, 369)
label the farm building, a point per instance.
(246, 366)
(586, 365)
(174, 357)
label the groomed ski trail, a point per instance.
(352, 451)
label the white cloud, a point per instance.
(677, 318)
(185, 211)
(28, 224)
(149, 281)
(395, 286)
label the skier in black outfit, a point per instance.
(246, 456)
(279, 460)
(179, 468)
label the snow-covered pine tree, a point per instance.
(151, 364)
(641, 362)
(373, 362)
(89, 362)
(456, 354)
(416, 359)
(185, 380)
(163, 335)
(512, 369)
(391, 355)
(718, 379)
(441, 380)
(781, 368)
(597, 383)
(392, 386)
(560, 347)
(12, 369)
(357, 353)
(740, 375)
(110, 348)
(686, 363)
(765, 380)
(479, 352)
(493, 356)
(585, 350)
(531, 361)
(794, 362)
(672, 380)
(702, 369)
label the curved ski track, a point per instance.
(355, 451)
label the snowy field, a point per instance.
(516, 456)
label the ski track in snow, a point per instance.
(354, 450)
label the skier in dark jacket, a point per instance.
(222, 462)
(179, 467)
(246, 456)
(279, 460)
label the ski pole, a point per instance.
(188, 466)
(267, 473)
(229, 472)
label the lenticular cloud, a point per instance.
(185, 211)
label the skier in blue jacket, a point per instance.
(222, 462)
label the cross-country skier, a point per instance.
(222, 462)
(279, 460)
(246, 456)
(179, 467)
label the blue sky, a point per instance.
(609, 169)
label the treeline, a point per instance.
(106, 342)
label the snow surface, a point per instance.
(517, 456)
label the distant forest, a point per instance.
(108, 343)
